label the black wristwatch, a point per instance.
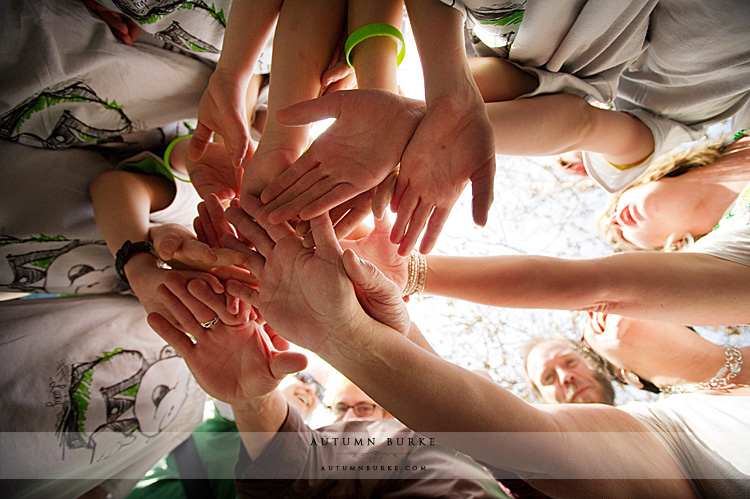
(127, 250)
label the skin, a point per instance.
(300, 395)
(306, 294)
(647, 214)
(572, 163)
(562, 375)
(349, 394)
(661, 352)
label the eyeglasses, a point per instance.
(309, 380)
(361, 410)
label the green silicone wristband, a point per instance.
(370, 30)
(168, 152)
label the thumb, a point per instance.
(310, 111)
(482, 192)
(283, 363)
(362, 272)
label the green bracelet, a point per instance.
(370, 30)
(168, 152)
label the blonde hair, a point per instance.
(673, 164)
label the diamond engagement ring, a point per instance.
(211, 323)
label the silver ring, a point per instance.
(211, 323)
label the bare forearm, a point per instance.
(249, 27)
(553, 124)
(258, 421)
(374, 59)
(437, 398)
(684, 288)
(438, 33)
(122, 203)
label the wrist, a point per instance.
(263, 413)
(131, 257)
(351, 342)
(416, 274)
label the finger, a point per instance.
(250, 204)
(351, 221)
(304, 113)
(228, 257)
(416, 226)
(284, 363)
(181, 342)
(325, 201)
(358, 270)
(184, 317)
(199, 252)
(255, 261)
(200, 232)
(399, 190)
(239, 290)
(302, 228)
(167, 245)
(346, 83)
(482, 194)
(291, 176)
(294, 200)
(199, 141)
(251, 230)
(236, 141)
(216, 302)
(338, 72)
(403, 217)
(326, 244)
(199, 311)
(215, 210)
(210, 236)
(278, 342)
(434, 227)
(384, 194)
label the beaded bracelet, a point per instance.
(417, 274)
(370, 30)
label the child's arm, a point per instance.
(375, 58)
(306, 36)
(222, 108)
(122, 204)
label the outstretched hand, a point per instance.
(222, 110)
(213, 172)
(453, 145)
(303, 293)
(354, 155)
(376, 248)
(235, 364)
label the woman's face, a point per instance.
(648, 214)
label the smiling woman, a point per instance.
(680, 198)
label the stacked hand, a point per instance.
(222, 110)
(302, 293)
(233, 363)
(213, 172)
(354, 155)
(453, 145)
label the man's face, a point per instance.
(352, 404)
(562, 376)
